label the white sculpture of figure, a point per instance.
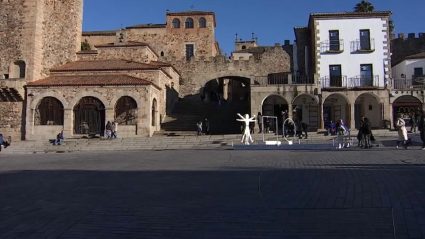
(247, 134)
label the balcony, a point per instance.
(359, 46)
(337, 82)
(364, 82)
(302, 79)
(332, 47)
(417, 82)
(283, 79)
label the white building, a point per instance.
(350, 54)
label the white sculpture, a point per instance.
(247, 134)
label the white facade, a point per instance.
(348, 58)
(407, 68)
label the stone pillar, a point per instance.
(225, 89)
(230, 90)
(290, 111)
(321, 122)
(352, 123)
(68, 123)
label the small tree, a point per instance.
(364, 6)
(391, 25)
(85, 46)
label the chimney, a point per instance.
(421, 35)
(277, 44)
(287, 42)
(401, 36)
(411, 35)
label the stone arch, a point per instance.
(126, 111)
(335, 109)
(306, 109)
(83, 94)
(269, 95)
(407, 98)
(118, 95)
(368, 105)
(49, 111)
(338, 94)
(222, 74)
(274, 107)
(406, 105)
(154, 113)
(38, 99)
(305, 95)
(243, 47)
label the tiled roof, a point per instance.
(127, 44)
(416, 56)
(104, 65)
(164, 64)
(89, 80)
(258, 49)
(186, 13)
(353, 14)
(149, 25)
(99, 33)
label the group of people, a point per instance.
(111, 130)
(416, 120)
(365, 136)
(203, 128)
(338, 128)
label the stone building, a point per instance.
(35, 35)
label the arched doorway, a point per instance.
(49, 112)
(369, 106)
(406, 105)
(306, 108)
(336, 107)
(274, 105)
(89, 116)
(231, 89)
(154, 112)
(126, 111)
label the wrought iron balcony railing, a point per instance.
(363, 46)
(332, 46)
(415, 82)
(364, 81)
(302, 79)
(333, 82)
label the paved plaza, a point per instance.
(214, 194)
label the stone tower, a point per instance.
(35, 35)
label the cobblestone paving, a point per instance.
(214, 194)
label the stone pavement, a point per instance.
(385, 139)
(214, 194)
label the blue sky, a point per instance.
(271, 20)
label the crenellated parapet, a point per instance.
(402, 46)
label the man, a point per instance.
(359, 134)
(421, 127)
(366, 130)
(304, 127)
(207, 127)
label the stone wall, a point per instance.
(303, 39)
(403, 46)
(11, 119)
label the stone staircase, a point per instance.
(186, 113)
(171, 143)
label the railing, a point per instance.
(302, 79)
(415, 82)
(364, 81)
(332, 46)
(333, 81)
(362, 46)
(277, 79)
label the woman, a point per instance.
(114, 130)
(108, 129)
(402, 131)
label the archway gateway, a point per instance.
(274, 105)
(368, 105)
(89, 116)
(336, 107)
(306, 109)
(406, 105)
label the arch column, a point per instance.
(109, 115)
(68, 123)
(290, 109)
(352, 123)
(321, 123)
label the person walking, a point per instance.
(304, 128)
(199, 127)
(207, 127)
(360, 137)
(366, 131)
(413, 123)
(260, 122)
(421, 127)
(402, 131)
(267, 126)
(108, 128)
(114, 130)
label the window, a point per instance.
(365, 40)
(334, 40)
(243, 47)
(189, 23)
(162, 53)
(419, 71)
(18, 69)
(176, 23)
(6, 76)
(189, 51)
(335, 76)
(202, 23)
(366, 75)
(126, 111)
(49, 112)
